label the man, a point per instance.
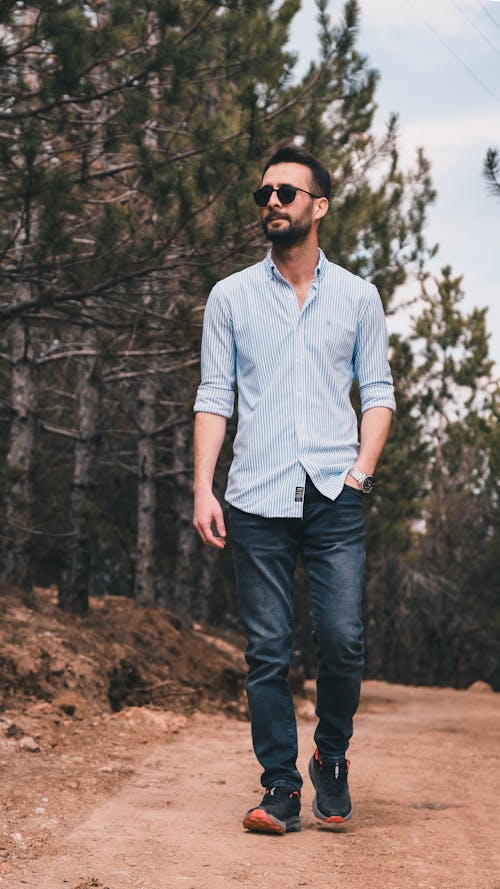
(292, 332)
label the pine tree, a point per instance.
(491, 171)
(149, 124)
(443, 590)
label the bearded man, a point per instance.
(292, 333)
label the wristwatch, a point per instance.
(366, 481)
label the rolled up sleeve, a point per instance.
(370, 360)
(215, 393)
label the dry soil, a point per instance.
(153, 798)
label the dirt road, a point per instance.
(425, 781)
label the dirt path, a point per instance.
(425, 781)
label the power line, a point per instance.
(453, 52)
(488, 13)
(476, 28)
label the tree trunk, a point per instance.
(20, 455)
(77, 576)
(144, 584)
(21, 450)
(181, 592)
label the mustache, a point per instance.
(276, 216)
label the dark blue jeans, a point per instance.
(330, 539)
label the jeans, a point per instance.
(330, 540)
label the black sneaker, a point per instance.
(332, 802)
(277, 813)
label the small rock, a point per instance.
(40, 810)
(28, 743)
(481, 687)
(18, 838)
(163, 720)
(40, 707)
(178, 724)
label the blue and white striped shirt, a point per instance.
(294, 370)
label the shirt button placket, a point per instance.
(299, 386)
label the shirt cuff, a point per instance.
(215, 401)
(378, 395)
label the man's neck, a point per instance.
(297, 264)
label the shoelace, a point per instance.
(334, 775)
(275, 794)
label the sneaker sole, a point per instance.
(334, 820)
(261, 821)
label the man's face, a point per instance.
(288, 224)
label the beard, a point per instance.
(296, 232)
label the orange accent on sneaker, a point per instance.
(259, 819)
(317, 757)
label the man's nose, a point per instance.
(274, 200)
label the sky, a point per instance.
(439, 66)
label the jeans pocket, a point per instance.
(349, 489)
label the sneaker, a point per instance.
(332, 802)
(277, 813)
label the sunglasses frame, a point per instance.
(267, 189)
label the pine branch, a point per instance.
(58, 430)
(491, 171)
(131, 375)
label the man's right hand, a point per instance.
(207, 511)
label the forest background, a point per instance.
(131, 138)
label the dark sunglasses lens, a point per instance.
(262, 195)
(286, 194)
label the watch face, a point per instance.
(368, 484)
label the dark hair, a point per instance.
(288, 152)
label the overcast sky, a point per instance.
(439, 64)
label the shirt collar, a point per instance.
(274, 272)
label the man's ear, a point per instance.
(321, 208)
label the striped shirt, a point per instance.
(293, 369)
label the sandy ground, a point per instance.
(425, 781)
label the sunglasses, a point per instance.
(286, 194)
